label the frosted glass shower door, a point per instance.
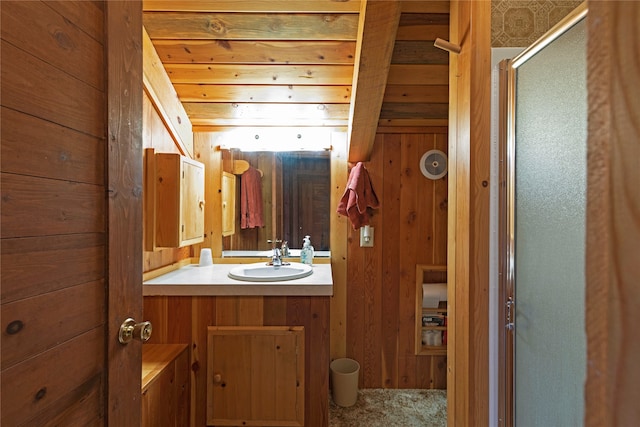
(549, 233)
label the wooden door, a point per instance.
(71, 176)
(306, 199)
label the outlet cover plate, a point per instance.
(363, 242)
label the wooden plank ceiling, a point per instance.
(294, 63)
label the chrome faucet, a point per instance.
(276, 257)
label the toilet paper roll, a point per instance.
(433, 293)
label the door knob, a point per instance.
(130, 330)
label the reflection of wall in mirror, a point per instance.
(296, 197)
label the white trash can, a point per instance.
(344, 381)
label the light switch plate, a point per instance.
(364, 242)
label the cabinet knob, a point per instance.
(217, 378)
(201, 204)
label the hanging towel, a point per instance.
(358, 196)
(251, 199)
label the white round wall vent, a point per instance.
(433, 164)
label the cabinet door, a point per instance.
(255, 376)
(228, 204)
(179, 203)
(192, 228)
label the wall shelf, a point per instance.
(430, 274)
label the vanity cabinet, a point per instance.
(179, 206)
(431, 322)
(255, 376)
(228, 204)
(165, 385)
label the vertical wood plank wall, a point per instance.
(53, 213)
(409, 228)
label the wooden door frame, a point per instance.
(468, 210)
(123, 57)
(613, 229)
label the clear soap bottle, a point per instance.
(306, 254)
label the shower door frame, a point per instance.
(506, 212)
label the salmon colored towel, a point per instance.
(251, 195)
(358, 196)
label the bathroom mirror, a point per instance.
(295, 201)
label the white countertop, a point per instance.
(193, 280)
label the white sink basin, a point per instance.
(261, 272)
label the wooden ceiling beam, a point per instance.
(377, 28)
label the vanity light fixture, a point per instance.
(276, 139)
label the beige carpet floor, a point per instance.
(391, 408)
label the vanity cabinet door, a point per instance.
(179, 200)
(228, 204)
(255, 376)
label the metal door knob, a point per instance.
(130, 330)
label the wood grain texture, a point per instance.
(165, 385)
(255, 5)
(418, 52)
(54, 39)
(310, 312)
(338, 243)
(250, 26)
(53, 214)
(377, 26)
(255, 51)
(265, 94)
(33, 86)
(613, 215)
(162, 94)
(381, 291)
(124, 109)
(34, 265)
(64, 157)
(469, 214)
(29, 387)
(438, 94)
(37, 314)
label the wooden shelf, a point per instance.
(429, 274)
(433, 350)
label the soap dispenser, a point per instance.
(306, 254)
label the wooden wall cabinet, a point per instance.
(426, 318)
(255, 376)
(179, 206)
(228, 204)
(165, 385)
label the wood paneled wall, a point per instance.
(156, 136)
(410, 228)
(53, 213)
(185, 320)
